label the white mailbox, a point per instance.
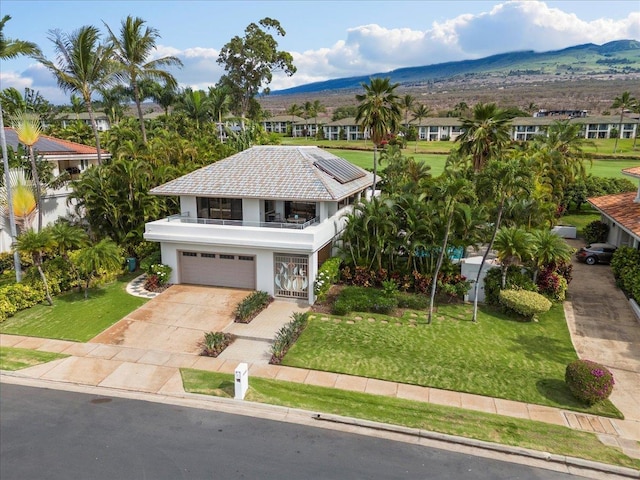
(242, 381)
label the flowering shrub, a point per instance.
(589, 381)
(525, 303)
(328, 274)
(163, 272)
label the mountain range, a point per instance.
(613, 59)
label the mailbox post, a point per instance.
(242, 381)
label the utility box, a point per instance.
(242, 381)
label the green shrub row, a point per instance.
(215, 342)
(287, 335)
(251, 305)
(589, 381)
(16, 297)
(595, 231)
(412, 301)
(524, 303)
(625, 266)
(363, 299)
(516, 279)
(328, 274)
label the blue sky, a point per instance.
(328, 39)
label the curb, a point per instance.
(280, 413)
(519, 451)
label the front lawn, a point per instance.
(19, 358)
(497, 357)
(449, 420)
(72, 317)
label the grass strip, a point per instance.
(12, 359)
(394, 411)
(72, 317)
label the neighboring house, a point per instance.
(71, 157)
(434, 129)
(621, 212)
(603, 126)
(526, 128)
(68, 119)
(262, 219)
(344, 129)
(280, 123)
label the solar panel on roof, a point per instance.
(338, 168)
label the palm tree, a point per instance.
(28, 129)
(90, 261)
(164, 95)
(500, 181)
(406, 103)
(420, 113)
(77, 105)
(67, 237)
(196, 105)
(220, 101)
(131, 51)
(317, 108)
(454, 191)
(623, 102)
(36, 244)
(294, 110)
(485, 135)
(548, 248)
(514, 245)
(11, 48)
(378, 113)
(82, 65)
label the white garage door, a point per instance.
(218, 269)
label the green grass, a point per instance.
(72, 317)
(19, 358)
(580, 219)
(364, 159)
(449, 420)
(496, 357)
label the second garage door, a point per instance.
(218, 269)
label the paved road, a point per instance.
(62, 435)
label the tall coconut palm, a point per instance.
(220, 102)
(196, 105)
(379, 113)
(406, 103)
(624, 102)
(485, 135)
(454, 192)
(132, 50)
(11, 48)
(82, 66)
(500, 180)
(514, 246)
(164, 95)
(294, 110)
(420, 113)
(36, 244)
(28, 129)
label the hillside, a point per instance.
(584, 76)
(615, 58)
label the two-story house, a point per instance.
(263, 219)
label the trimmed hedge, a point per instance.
(595, 231)
(16, 297)
(625, 266)
(363, 299)
(524, 303)
(589, 381)
(516, 279)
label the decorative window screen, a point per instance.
(291, 276)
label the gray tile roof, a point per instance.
(271, 172)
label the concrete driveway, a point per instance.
(176, 320)
(605, 329)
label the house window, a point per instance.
(220, 208)
(291, 275)
(299, 210)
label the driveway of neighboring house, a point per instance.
(605, 329)
(175, 320)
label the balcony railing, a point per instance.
(299, 224)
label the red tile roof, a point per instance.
(621, 208)
(77, 148)
(632, 171)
